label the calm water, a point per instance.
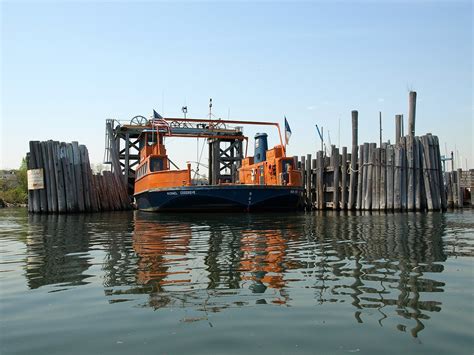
(243, 283)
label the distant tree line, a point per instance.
(14, 191)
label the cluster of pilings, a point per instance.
(67, 182)
(405, 176)
(454, 189)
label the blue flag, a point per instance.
(287, 131)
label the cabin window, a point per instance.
(286, 165)
(156, 164)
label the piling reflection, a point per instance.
(382, 261)
(375, 262)
(384, 266)
(57, 251)
(61, 248)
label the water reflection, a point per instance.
(382, 262)
(373, 262)
(383, 266)
(57, 250)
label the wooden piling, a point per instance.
(343, 204)
(77, 167)
(52, 171)
(335, 164)
(85, 178)
(313, 183)
(460, 189)
(360, 177)
(42, 192)
(354, 171)
(397, 178)
(308, 181)
(410, 173)
(427, 172)
(434, 175)
(370, 177)
(404, 177)
(417, 173)
(390, 181)
(40, 165)
(411, 113)
(36, 208)
(449, 183)
(376, 184)
(383, 179)
(303, 176)
(441, 187)
(398, 128)
(320, 179)
(59, 173)
(46, 174)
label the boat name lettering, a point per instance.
(187, 192)
(172, 193)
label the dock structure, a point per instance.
(225, 146)
(61, 180)
(407, 175)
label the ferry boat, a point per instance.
(269, 180)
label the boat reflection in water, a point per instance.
(383, 268)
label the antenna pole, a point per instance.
(210, 108)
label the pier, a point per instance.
(407, 175)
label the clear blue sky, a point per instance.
(66, 67)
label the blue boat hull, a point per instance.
(221, 198)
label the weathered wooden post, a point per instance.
(411, 113)
(304, 177)
(390, 182)
(370, 176)
(383, 178)
(343, 204)
(360, 177)
(320, 179)
(365, 174)
(427, 173)
(354, 170)
(416, 173)
(52, 168)
(403, 189)
(77, 165)
(47, 183)
(59, 172)
(336, 177)
(441, 188)
(376, 189)
(397, 178)
(34, 194)
(449, 183)
(314, 169)
(308, 181)
(434, 176)
(398, 128)
(411, 173)
(460, 189)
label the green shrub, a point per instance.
(16, 192)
